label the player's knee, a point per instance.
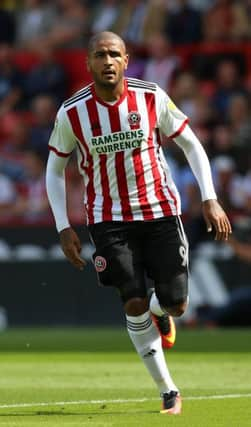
(172, 296)
(136, 306)
(177, 310)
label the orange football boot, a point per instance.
(171, 403)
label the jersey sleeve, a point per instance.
(170, 120)
(62, 140)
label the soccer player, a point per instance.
(131, 202)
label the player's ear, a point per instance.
(126, 60)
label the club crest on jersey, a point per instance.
(134, 118)
(100, 263)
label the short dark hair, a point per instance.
(105, 35)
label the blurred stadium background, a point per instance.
(199, 51)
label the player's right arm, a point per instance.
(61, 144)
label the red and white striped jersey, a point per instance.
(119, 151)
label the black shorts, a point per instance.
(127, 252)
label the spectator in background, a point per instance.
(246, 187)
(228, 183)
(191, 206)
(226, 20)
(189, 193)
(32, 204)
(161, 63)
(204, 118)
(34, 20)
(44, 111)
(223, 144)
(10, 4)
(239, 119)
(48, 77)
(70, 26)
(202, 5)
(248, 8)
(7, 26)
(183, 23)
(130, 22)
(7, 198)
(136, 64)
(11, 81)
(65, 26)
(190, 98)
(105, 15)
(187, 93)
(241, 21)
(222, 141)
(154, 19)
(223, 147)
(218, 21)
(184, 91)
(228, 82)
(13, 148)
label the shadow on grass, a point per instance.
(116, 340)
(74, 414)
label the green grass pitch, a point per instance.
(93, 377)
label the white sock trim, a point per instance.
(139, 324)
(155, 306)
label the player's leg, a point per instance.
(163, 310)
(119, 264)
(147, 341)
(172, 294)
(163, 320)
(166, 262)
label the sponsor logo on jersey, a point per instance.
(171, 105)
(117, 141)
(134, 118)
(100, 263)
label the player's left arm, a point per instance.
(174, 124)
(213, 213)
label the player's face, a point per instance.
(107, 62)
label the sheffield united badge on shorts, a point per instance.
(100, 263)
(134, 118)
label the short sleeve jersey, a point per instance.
(119, 151)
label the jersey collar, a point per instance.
(107, 104)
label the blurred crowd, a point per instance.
(212, 88)
(67, 23)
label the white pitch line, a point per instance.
(218, 396)
(107, 401)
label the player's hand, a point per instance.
(71, 247)
(216, 218)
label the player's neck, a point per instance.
(109, 94)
